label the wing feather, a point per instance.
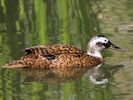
(56, 49)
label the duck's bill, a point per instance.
(112, 46)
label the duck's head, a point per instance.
(99, 43)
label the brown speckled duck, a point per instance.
(63, 56)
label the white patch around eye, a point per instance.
(95, 40)
(103, 40)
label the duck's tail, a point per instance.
(15, 64)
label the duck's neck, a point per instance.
(94, 52)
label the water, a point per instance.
(28, 23)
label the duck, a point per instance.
(60, 56)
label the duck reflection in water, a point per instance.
(96, 76)
(102, 74)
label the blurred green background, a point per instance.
(26, 23)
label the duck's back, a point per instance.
(55, 49)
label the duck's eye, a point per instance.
(105, 40)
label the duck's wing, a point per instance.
(49, 51)
(42, 56)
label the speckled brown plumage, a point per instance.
(55, 49)
(55, 56)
